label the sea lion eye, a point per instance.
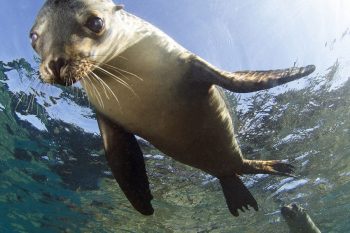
(33, 38)
(95, 24)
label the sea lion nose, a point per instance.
(56, 66)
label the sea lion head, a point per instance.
(292, 212)
(67, 35)
(298, 220)
(294, 215)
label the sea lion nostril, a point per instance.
(56, 66)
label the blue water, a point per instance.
(53, 181)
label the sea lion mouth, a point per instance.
(66, 81)
(66, 72)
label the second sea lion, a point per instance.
(298, 220)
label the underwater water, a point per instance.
(53, 174)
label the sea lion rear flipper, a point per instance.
(274, 167)
(125, 158)
(246, 81)
(237, 195)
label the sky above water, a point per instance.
(232, 34)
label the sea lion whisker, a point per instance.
(114, 69)
(32, 109)
(85, 89)
(32, 98)
(119, 70)
(97, 93)
(88, 84)
(22, 93)
(19, 101)
(101, 55)
(40, 111)
(73, 88)
(27, 101)
(70, 82)
(127, 72)
(33, 103)
(112, 92)
(107, 66)
(100, 100)
(102, 84)
(37, 108)
(119, 56)
(98, 96)
(111, 74)
(118, 79)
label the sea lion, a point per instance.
(141, 82)
(298, 220)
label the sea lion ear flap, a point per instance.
(118, 7)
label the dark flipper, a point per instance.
(236, 194)
(125, 158)
(245, 81)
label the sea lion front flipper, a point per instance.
(246, 81)
(236, 194)
(125, 158)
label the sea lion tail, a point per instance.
(274, 167)
(237, 195)
(246, 81)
